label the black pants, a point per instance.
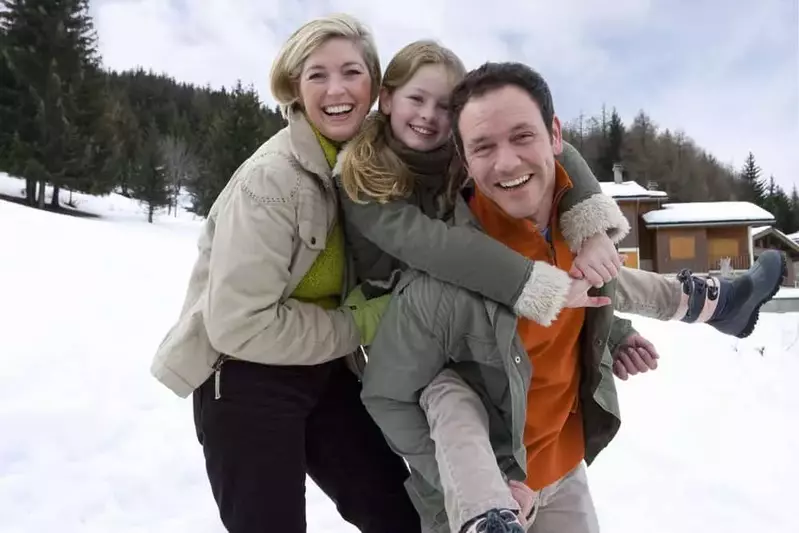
(274, 424)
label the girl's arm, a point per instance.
(469, 258)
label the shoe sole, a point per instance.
(750, 326)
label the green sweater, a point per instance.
(323, 283)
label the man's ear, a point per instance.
(557, 136)
(384, 102)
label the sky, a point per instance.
(724, 72)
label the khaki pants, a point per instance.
(648, 294)
(565, 506)
(470, 477)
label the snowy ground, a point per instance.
(91, 443)
(787, 293)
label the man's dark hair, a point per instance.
(492, 76)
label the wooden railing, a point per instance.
(738, 262)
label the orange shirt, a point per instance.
(553, 431)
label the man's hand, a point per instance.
(598, 262)
(578, 296)
(635, 355)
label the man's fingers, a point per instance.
(629, 366)
(597, 301)
(644, 344)
(648, 359)
(620, 371)
(638, 361)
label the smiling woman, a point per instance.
(266, 335)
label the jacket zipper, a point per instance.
(218, 376)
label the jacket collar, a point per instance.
(306, 149)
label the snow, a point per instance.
(787, 293)
(694, 212)
(112, 206)
(92, 443)
(757, 230)
(794, 237)
(628, 189)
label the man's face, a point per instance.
(509, 152)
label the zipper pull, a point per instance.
(217, 382)
(218, 377)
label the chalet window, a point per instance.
(682, 247)
(723, 248)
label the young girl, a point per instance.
(399, 186)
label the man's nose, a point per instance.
(507, 160)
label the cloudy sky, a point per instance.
(724, 71)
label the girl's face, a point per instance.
(418, 110)
(335, 89)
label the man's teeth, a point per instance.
(422, 131)
(514, 183)
(338, 109)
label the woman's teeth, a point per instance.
(338, 109)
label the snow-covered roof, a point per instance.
(629, 189)
(794, 236)
(673, 214)
(757, 231)
(762, 231)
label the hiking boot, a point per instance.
(732, 306)
(495, 521)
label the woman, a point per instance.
(263, 340)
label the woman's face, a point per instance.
(335, 89)
(418, 109)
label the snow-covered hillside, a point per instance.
(91, 443)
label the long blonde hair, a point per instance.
(369, 167)
(304, 41)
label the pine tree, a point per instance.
(611, 153)
(50, 48)
(234, 135)
(793, 225)
(754, 189)
(151, 185)
(180, 164)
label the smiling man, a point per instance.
(477, 399)
(452, 382)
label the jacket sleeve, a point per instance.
(245, 314)
(404, 358)
(620, 330)
(584, 209)
(454, 254)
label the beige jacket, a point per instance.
(262, 235)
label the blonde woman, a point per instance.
(264, 337)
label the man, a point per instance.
(459, 382)
(542, 425)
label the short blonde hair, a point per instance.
(369, 167)
(288, 64)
